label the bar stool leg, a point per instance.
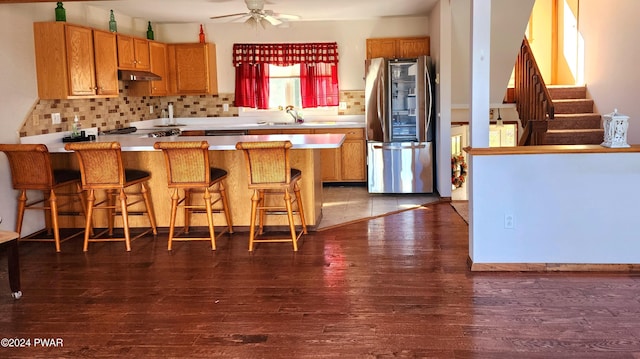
(111, 209)
(296, 190)
(187, 211)
(254, 209)
(207, 204)
(13, 262)
(262, 211)
(292, 226)
(172, 221)
(147, 202)
(91, 200)
(125, 219)
(22, 204)
(53, 205)
(225, 206)
(83, 203)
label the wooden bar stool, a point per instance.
(31, 170)
(188, 169)
(101, 168)
(269, 173)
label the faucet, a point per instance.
(294, 114)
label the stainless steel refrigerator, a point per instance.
(399, 114)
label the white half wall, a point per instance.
(567, 208)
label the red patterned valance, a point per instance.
(286, 54)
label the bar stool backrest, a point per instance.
(100, 164)
(187, 163)
(267, 163)
(30, 166)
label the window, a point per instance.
(273, 75)
(284, 86)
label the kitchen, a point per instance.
(118, 112)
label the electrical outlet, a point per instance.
(342, 105)
(36, 120)
(225, 107)
(509, 221)
(55, 118)
(150, 108)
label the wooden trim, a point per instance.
(548, 149)
(551, 267)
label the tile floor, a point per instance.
(344, 204)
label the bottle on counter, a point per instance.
(75, 127)
(170, 110)
(61, 14)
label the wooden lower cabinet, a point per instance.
(347, 163)
(344, 164)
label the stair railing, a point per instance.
(532, 97)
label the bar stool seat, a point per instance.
(31, 169)
(270, 173)
(101, 168)
(189, 170)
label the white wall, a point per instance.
(350, 35)
(508, 23)
(610, 30)
(571, 208)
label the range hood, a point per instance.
(136, 75)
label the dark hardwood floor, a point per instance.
(391, 287)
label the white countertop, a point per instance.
(136, 142)
(139, 140)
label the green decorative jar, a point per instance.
(61, 14)
(113, 27)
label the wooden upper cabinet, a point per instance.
(158, 61)
(82, 80)
(413, 47)
(106, 62)
(398, 47)
(70, 62)
(133, 53)
(192, 68)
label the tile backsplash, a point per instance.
(110, 113)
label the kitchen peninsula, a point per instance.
(138, 152)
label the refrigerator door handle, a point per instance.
(411, 147)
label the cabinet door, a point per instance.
(126, 52)
(381, 48)
(141, 51)
(192, 68)
(413, 47)
(158, 61)
(106, 60)
(80, 62)
(352, 161)
(330, 164)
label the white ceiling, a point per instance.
(199, 11)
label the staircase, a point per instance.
(575, 123)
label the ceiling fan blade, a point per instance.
(272, 20)
(285, 16)
(229, 15)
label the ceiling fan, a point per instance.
(257, 15)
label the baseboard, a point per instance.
(551, 267)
